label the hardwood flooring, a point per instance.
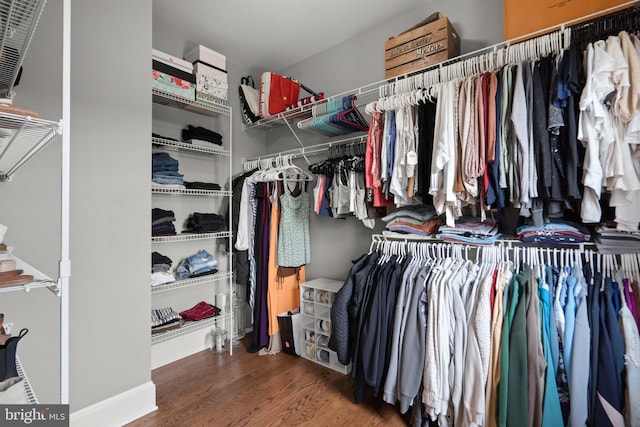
(246, 389)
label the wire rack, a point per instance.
(187, 327)
(189, 147)
(364, 95)
(189, 192)
(185, 283)
(27, 385)
(171, 100)
(19, 21)
(40, 279)
(21, 137)
(187, 237)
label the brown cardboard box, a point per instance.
(522, 17)
(430, 41)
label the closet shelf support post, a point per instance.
(295, 135)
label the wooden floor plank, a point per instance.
(246, 389)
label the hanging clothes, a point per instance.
(472, 342)
(294, 245)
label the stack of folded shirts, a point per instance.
(10, 275)
(164, 319)
(195, 134)
(610, 240)
(162, 222)
(161, 269)
(551, 233)
(204, 223)
(421, 221)
(164, 170)
(201, 310)
(199, 264)
(196, 185)
(470, 230)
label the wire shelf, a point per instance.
(21, 137)
(40, 279)
(189, 192)
(364, 95)
(185, 283)
(187, 327)
(189, 147)
(35, 284)
(187, 237)
(171, 100)
(27, 385)
(19, 21)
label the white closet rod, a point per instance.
(509, 243)
(311, 150)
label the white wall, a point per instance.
(110, 198)
(110, 202)
(30, 207)
(357, 62)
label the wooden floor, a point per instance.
(246, 389)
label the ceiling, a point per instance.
(273, 34)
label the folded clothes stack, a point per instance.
(201, 310)
(164, 319)
(421, 221)
(611, 240)
(204, 223)
(164, 170)
(162, 222)
(196, 185)
(161, 269)
(198, 133)
(199, 264)
(470, 230)
(10, 275)
(552, 233)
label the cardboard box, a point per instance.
(208, 56)
(429, 42)
(522, 17)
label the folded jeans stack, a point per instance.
(164, 319)
(161, 269)
(200, 311)
(162, 222)
(199, 264)
(201, 134)
(204, 223)
(164, 169)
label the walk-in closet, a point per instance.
(323, 213)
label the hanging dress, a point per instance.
(294, 247)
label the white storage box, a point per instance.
(204, 69)
(208, 56)
(209, 89)
(171, 60)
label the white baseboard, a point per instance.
(118, 410)
(181, 346)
